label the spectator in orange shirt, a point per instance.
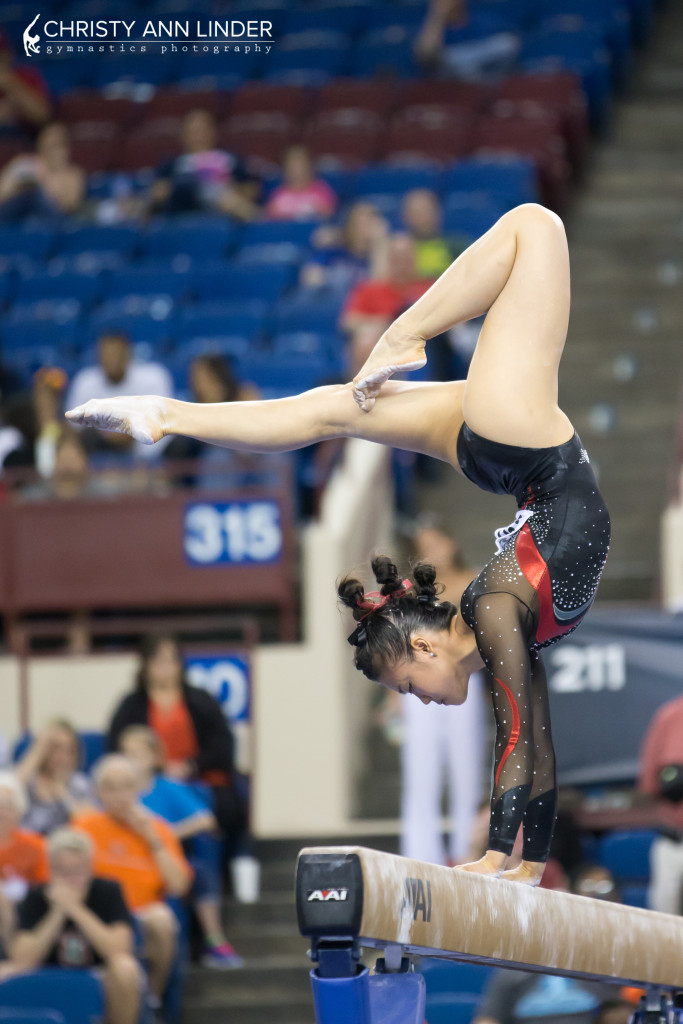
(23, 860)
(661, 777)
(140, 852)
(373, 305)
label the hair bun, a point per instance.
(386, 574)
(426, 586)
(350, 592)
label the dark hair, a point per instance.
(224, 373)
(383, 636)
(149, 647)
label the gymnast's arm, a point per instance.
(421, 417)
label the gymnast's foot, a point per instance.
(528, 873)
(144, 417)
(492, 863)
(392, 354)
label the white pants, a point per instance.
(666, 878)
(441, 744)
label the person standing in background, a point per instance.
(442, 743)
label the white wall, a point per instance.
(310, 706)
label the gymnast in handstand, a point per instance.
(503, 429)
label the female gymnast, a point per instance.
(502, 428)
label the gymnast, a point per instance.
(502, 428)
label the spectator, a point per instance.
(453, 42)
(80, 921)
(42, 184)
(373, 305)
(204, 177)
(343, 257)
(24, 100)
(23, 861)
(35, 418)
(71, 476)
(55, 788)
(661, 777)
(212, 379)
(301, 196)
(421, 215)
(140, 852)
(194, 734)
(192, 821)
(512, 997)
(117, 373)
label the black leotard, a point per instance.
(535, 590)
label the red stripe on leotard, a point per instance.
(514, 732)
(535, 568)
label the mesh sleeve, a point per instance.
(524, 787)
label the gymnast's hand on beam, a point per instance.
(144, 417)
(395, 352)
(492, 863)
(528, 872)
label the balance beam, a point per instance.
(381, 900)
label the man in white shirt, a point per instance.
(117, 373)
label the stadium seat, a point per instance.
(350, 148)
(267, 232)
(173, 101)
(383, 58)
(42, 285)
(635, 896)
(531, 138)
(138, 151)
(440, 142)
(39, 337)
(77, 995)
(122, 239)
(91, 105)
(472, 222)
(257, 97)
(142, 320)
(31, 243)
(146, 280)
(233, 282)
(290, 376)
(307, 342)
(561, 92)
(626, 854)
(346, 93)
(271, 254)
(452, 1008)
(506, 178)
(329, 61)
(340, 19)
(18, 1015)
(458, 95)
(215, 319)
(380, 178)
(446, 976)
(308, 310)
(201, 238)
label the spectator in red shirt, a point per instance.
(23, 860)
(373, 305)
(661, 777)
(301, 196)
(24, 100)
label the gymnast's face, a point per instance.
(435, 674)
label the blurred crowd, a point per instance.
(101, 869)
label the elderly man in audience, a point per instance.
(80, 921)
(141, 852)
(23, 860)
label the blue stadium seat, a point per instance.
(234, 282)
(269, 232)
(312, 39)
(271, 254)
(328, 62)
(44, 334)
(32, 243)
(634, 896)
(341, 19)
(18, 1015)
(200, 238)
(144, 322)
(308, 310)
(288, 377)
(627, 853)
(386, 58)
(308, 342)
(231, 346)
(146, 280)
(122, 239)
(512, 178)
(447, 976)
(381, 178)
(216, 319)
(456, 1008)
(75, 994)
(470, 223)
(43, 285)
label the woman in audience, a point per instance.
(301, 196)
(193, 822)
(45, 183)
(23, 860)
(344, 256)
(55, 788)
(195, 737)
